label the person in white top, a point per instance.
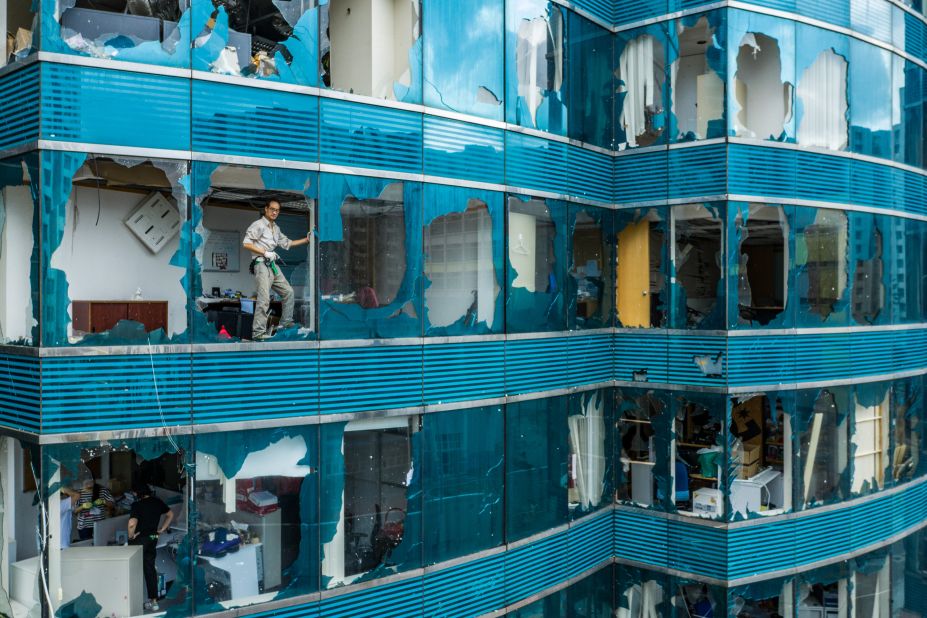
(262, 238)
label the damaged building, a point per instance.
(568, 308)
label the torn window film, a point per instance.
(822, 259)
(464, 273)
(644, 425)
(373, 48)
(267, 39)
(761, 452)
(536, 265)
(762, 271)
(256, 503)
(697, 263)
(699, 456)
(126, 218)
(536, 466)
(762, 95)
(370, 247)
(870, 236)
(462, 479)
(870, 437)
(590, 421)
(229, 199)
(536, 71)
(371, 499)
(697, 70)
(641, 88)
(590, 88)
(640, 287)
(463, 66)
(20, 28)
(822, 95)
(821, 427)
(19, 229)
(590, 299)
(130, 30)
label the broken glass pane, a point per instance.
(822, 442)
(23, 541)
(821, 99)
(464, 268)
(643, 476)
(536, 246)
(697, 262)
(697, 59)
(640, 285)
(590, 84)
(641, 593)
(535, 67)
(124, 219)
(641, 86)
(20, 28)
(909, 277)
(373, 49)
(761, 268)
(19, 228)
(699, 457)
(536, 466)
(369, 258)
(237, 296)
(870, 436)
(908, 439)
(821, 260)
(264, 39)
(591, 425)
(871, 234)
(463, 57)
(589, 284)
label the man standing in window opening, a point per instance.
(144, 527)
(262, 238)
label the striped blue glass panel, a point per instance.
(641, 537)
(641, 357)
(19, 392)
(400, 599)
(589, 359)
(835, 12)
(642, 177)
(463, 150)
(115, 392)
(590, 543)
(464, 371)
(909, 350)
(536, 365)
(103, 106)
(915, 36)
(700, 361)
(19, 107)
(758, 170)
(245, 121)
(777, 551)
(533, 567)
(822, 177)
(370, 378)
(697, 549)
(698, 171)
(471, 589)
(769, 359)
(590, 174)
(910, 191)
(535, 163)
(822, 357)
(629, 12)
(871, 352)
(600, 9)
(233, 386)
(869, 182)
(360, 135)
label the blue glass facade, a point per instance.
(606, 308)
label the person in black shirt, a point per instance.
(144, 527)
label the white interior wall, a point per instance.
(822, 90)
(763, 98)
(16, 244)
(350, 24)
(107, 261)
(25, 515)
(523, 249)
(229, 219)
(685, 91)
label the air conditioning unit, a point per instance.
(154, 221)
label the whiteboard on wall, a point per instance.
(221, 252)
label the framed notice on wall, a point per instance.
(221, 252)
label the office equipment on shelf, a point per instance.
(707, 501)
(747, 494)
(97, 316)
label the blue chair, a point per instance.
(682, 482)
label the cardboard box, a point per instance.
(749, 471)
(708, 501)
(752, 454)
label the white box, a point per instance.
(708, 501)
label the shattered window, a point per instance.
(537, 460)
(240, 294)
(761, 444)
(19, 228)
(592, 596)
(269, 39)
(831, 593)
(642, 594)
(21, 516)
(147, 31)
(371, 499)
(698, 599)
(536, 70)
(462, 479)
(766, 598)
(116, 234)
(762, 92)
(643, 437)
(590, 87)
(256, 516)
(463, 261)
(640, 287)
(642, 80)
(369, 249)
(698, 266)
(822, 438)
(909, 574)
(590, 276)
(463, 57)
(20, 30)
(821, 257)
(871, 586)
(590, 421)
(870, 108)
(822, 97)
(697, 78)
(373, 48)
(124, 505)
(870, 233)
(699, 455)
(908, 440)
(536, 264)
(762, 268)
(871, 432)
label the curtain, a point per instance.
(636, 69)
(823, 93)
(587, 441)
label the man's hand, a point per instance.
(270, 255)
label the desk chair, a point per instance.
(682, 482)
